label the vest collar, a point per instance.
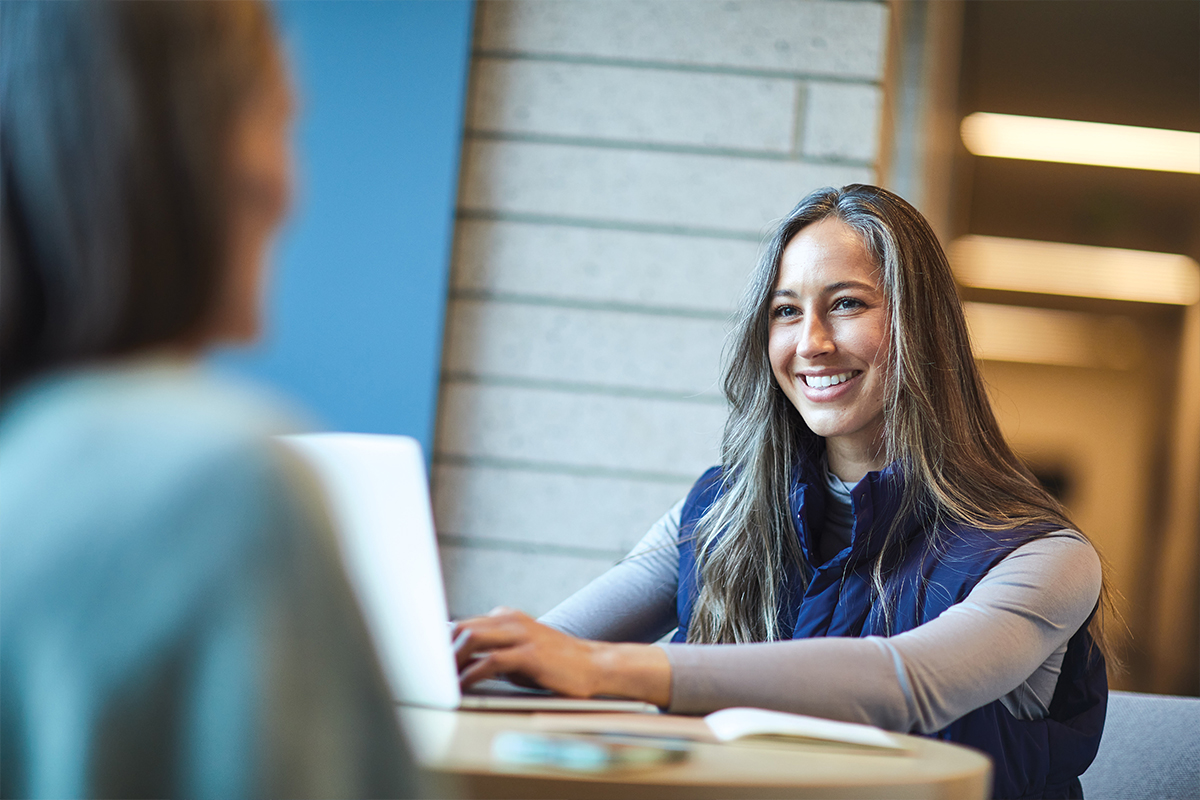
(875, 501)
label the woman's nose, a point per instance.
(815, 338)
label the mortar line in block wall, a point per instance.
(530, 548)
(613, 306)
(556, 468)
(673, 149)
(669, 66)
(609, 225)
(578, 388)
(798, 120)
(641, 146)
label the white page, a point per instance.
(735, 723)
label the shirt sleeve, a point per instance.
(1015, 620)
(635, 600)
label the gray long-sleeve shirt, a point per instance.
(1006, 640)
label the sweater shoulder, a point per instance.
(119, 462)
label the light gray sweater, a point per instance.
(1006, 640)
(176, 618)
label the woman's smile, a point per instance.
(825, 381)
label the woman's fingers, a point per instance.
(497, 662)
(510, 642)
(501, 628)
(505, 641)
(497, 616)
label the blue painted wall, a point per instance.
(357, 300)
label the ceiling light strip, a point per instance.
(1059, 338)
(1074, 142)
(1022, 265)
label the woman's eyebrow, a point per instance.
(829, 289)
(840, 285)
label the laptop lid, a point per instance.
(378, 496)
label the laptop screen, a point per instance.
(378, 498)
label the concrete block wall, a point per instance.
(621, 164)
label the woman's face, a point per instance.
(260, 163)
(828, 342)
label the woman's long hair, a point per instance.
(115, 121)
(938, 426)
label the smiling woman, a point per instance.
(869, 549)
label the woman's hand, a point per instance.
(511, 642)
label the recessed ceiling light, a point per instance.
(1022, 265)
(1073, 142)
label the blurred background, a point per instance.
(523, 225)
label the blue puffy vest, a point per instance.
(1031, 758)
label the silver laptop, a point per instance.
(378, 495)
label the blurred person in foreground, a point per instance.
(174, 616)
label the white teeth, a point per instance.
(825, 381)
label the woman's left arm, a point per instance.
(1015, 621)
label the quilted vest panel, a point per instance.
(1031, 758)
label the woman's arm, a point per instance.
(632, 602)
(1010, 625)
(635, 600)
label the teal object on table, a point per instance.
(589, 753)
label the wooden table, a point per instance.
(455, 748)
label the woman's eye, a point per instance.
(783, 312)
(848, 304)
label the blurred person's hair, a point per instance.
(939, 428)
(115, 121)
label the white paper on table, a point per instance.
(735, 723)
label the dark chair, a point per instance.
(1150, 749)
